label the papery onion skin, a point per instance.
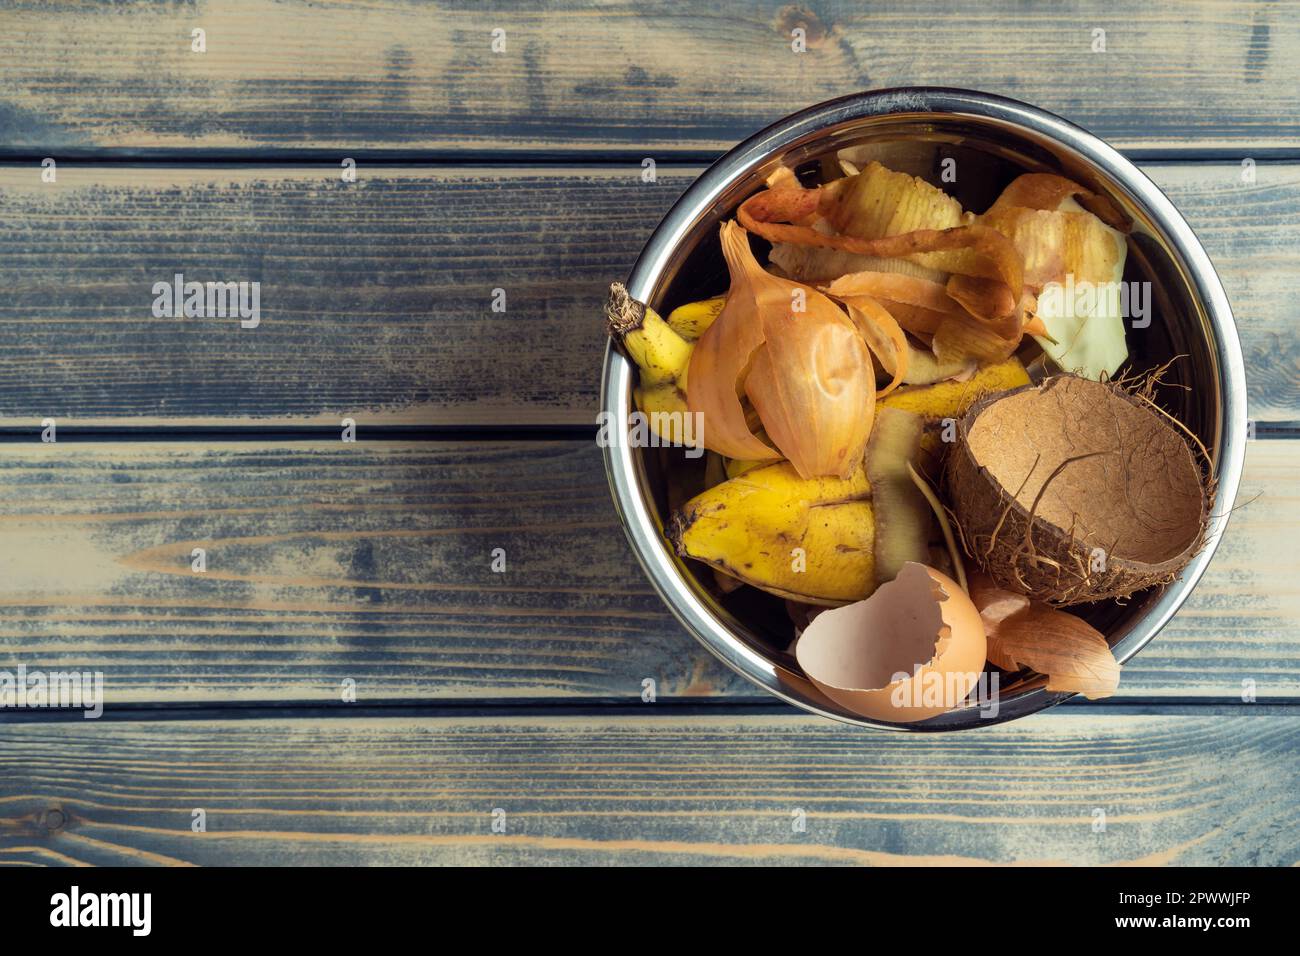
(1048, 191)
(895, 287)
(959, 340)
(723, 353)
(977, 250)
(1053, 244)
(795, 355)
(1070, 652)
(883, 335)
(814, 389)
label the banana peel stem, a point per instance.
(623, 314)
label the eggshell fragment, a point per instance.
(914, 649)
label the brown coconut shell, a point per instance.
(1073, 491)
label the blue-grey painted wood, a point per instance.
(374, 561)
(1061, 787)
(377, 296)
(371, 562)
(580, 75)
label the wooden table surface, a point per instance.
(515, 698)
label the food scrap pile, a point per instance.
(926, 455)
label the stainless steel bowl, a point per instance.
(991, 136)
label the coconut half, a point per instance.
(1074, 491)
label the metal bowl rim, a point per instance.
(635, 512)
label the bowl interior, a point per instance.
(985, 154)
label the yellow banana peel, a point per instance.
(739, 466)
(952, 399)
(948, 401)
(693, 319)
(808, 540)
(662, 357)
(664, 408)
(659, 352)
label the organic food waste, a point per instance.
(913, 438)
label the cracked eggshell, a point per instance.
(914, 649)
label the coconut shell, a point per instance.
(1074, 491)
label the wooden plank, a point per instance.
(377, 297)
(373, 561)
(329, 561)
(1056, 788)
(393, 74)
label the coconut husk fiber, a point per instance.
(1073, 491)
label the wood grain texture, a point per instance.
(395, 74)
(372, 561)
(651, 790)
(377, 296)
(328, 561)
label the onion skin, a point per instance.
(883, 335)
(814, 389)
(1048, 191)
(799, 360)
(892, 286)
(723, 353)
(1072, 653)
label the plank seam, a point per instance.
(1264, 431)
(595, 707)
(307, 433)
(539, 159)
